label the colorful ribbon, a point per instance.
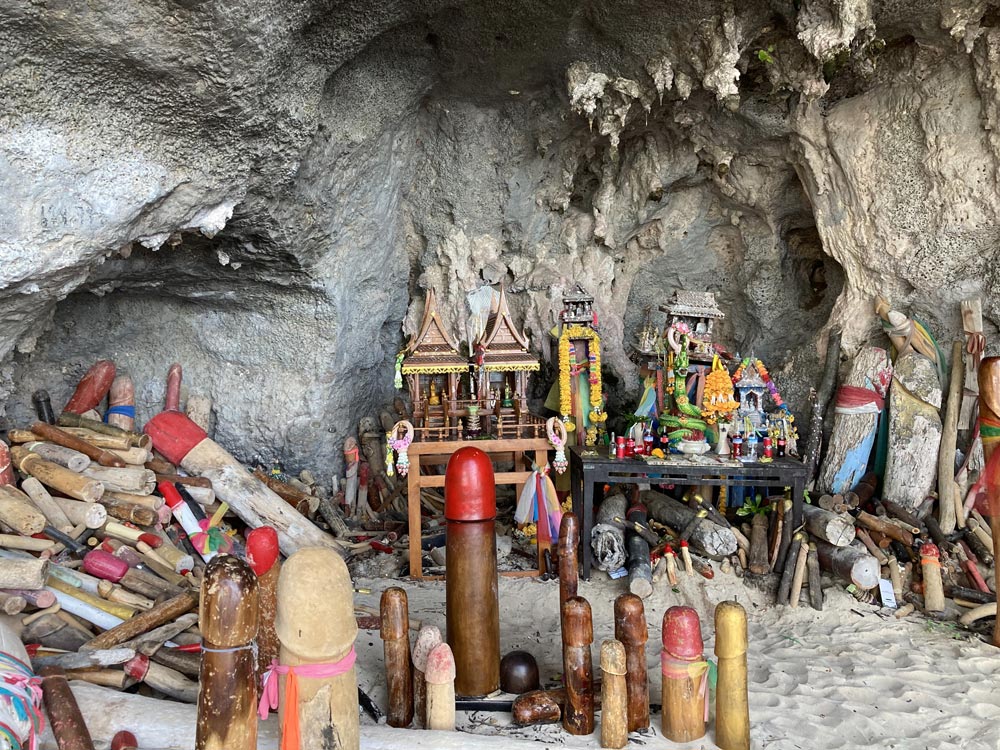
(22, 688)
(211, 538)
(290, 733)
(854, 400)
(678, 669)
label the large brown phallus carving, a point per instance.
(578, 634)
(227, 699)
(632, 631)
(396, 648)
(989, 418)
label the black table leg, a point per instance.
(798, 500)
(586, 524)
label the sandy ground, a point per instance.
(851, 676)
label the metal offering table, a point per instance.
(593, 466)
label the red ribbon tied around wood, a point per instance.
(290, 734)
(854, 400)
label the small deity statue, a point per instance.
(508, 397)
(435, 398)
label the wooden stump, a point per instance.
(614, 702)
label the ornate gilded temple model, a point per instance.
(503, 364)
(696, 312)
(432, 365)
(581, 399)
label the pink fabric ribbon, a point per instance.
(290, 738)
(676, 669)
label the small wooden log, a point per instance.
(121, 396)
(640, 574)
(134, 456)
(23, 573)
(39, 598)
(153, 502)
(42, 403)
(316, 625)
(18, 512)
(145, 621)
(58, 454)
(396, 646)
(930, 566)
(837, 529)
(135, 480)
(65, 718)
(27, 543)
(758, 559)
(61, 437)
(84, 659)
(42, 500)
(168, 681)
(57, 477)
(265, 560)
(814, 442)
(137, 514)
(303, 502)
(88, 515)
(732, 705)
(799, 575)
(714, 539)
(578, 634)
(103, 435)
(815, 579)
(115, 593)
(12, 604)
(569, 568)
(791, 559)
(227, 700)
(539, 707)
(854, 434)
(440, 688)
(631, 631)
(873, 549)
(87, 606)
(884, 526)
(428, 637)
(948, 496)
(850, 563)
(116, 679)
(614, 702)
(685, 676)
(978, 613)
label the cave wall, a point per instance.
(263, 191)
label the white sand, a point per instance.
(831, 679)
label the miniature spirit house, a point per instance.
(698, 311)
(751, 390)
(581, 401)
(432, 366)
(503, 362)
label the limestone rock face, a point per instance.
(262, 190)
(914, 431)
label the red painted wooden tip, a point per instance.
(440, 665)
(92, 388)
(6, 467)
(172, 402)
(137, 667)
(124, 741)
(174, 435)
(428, 639)
(104, 565)
(262, 549)
(469, 489)
(682, 633)
(929, 550)
(683, 543)
(152, 540)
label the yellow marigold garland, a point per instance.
(565, 345)
(718, 399)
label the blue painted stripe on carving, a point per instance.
(855, 465)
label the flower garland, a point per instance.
(718, 399)
(567, 359)
(766, 377)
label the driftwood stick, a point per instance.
(61, 437)
(837, 529)
(947, 491)
(814, 443)
(146, 621)
(85, 659)
(42, 500)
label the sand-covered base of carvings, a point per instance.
(851, 676)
